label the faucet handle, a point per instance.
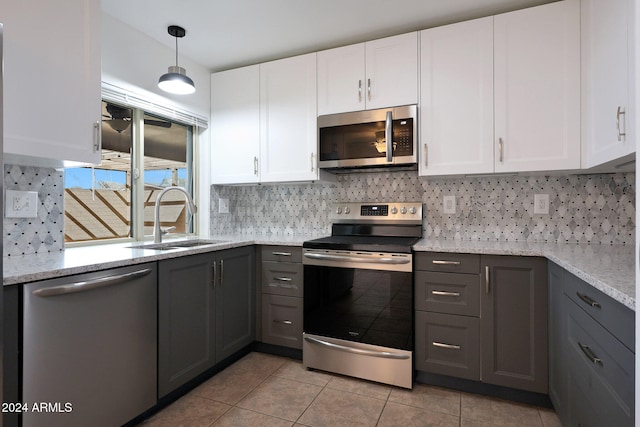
(167, 230)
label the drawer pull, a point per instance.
(283, 279)
(589, 301)
(281, 253)
(446, 293)
(447, 346)
(443, 262)
(590, 355)
(284, 322)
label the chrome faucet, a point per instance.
(157, 233)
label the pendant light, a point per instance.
(176, 80)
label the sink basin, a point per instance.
(178, 244)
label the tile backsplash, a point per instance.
(597, 208)
(44, 233)
(583, 208)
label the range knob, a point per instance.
(347, 210)
(394, 210)
(412, 210)
(339, 210)
(403, 210)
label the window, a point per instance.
(141, 155)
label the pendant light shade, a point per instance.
(176, 80)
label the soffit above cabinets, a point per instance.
(224, 35)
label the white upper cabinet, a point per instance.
(235, 126)
(537, 88)
(288, 134)
(377, 74)
(607, 78)
(456, 98)
(52, 103)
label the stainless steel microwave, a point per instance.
(360, 139)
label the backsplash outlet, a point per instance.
(45, 232)
(596, 208)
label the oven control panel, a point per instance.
(398, 212)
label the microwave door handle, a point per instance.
(388, 134)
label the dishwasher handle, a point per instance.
(89, 284)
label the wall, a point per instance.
(583, 208)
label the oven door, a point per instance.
(358, 314)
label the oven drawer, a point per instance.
(450, 293)
(282, 253)
(448, 262)
(448, 345)
(282, 278)
(282, 320)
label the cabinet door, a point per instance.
(52, 81)
(456, 98)
(288, 119)
(186, 317)
(606, 50)
(235, 301)
(341, 79)
(514, 322)
(392, 71)
(558, 379)
(537, 88)
(235, 125)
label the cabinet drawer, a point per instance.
(448, 262)
(615, 317)
(282, 278)
(450, 293)
(448, 345)
(282, 321)
(601, 367)
(282, 253)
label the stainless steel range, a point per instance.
(358, 293)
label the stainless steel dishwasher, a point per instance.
(90, 346)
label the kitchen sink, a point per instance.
(178, 244)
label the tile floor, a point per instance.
(265, 390)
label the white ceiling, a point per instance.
(223, 34)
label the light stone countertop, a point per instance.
(609, 269)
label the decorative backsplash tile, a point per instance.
(45, 233)
(583, 208)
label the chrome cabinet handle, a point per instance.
(388, 134)
(283, 279)
(447, 346)
(620, 112)
(589, 301)
(88, 285)
(213, 279)
(501, 149)
(359, 90)
(97, 137)
(443, 262)
(313, 163)
(285, 322)
(383, 354)
(486, 279)
(255, 166)
(445, 293)
(590, 354)
(281, 253)
(221, 272)
(426, 156)
(369, 88)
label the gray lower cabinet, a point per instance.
(206, 311)
(483, 318)
(592, 359)
(282, 291)
(514, 322)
